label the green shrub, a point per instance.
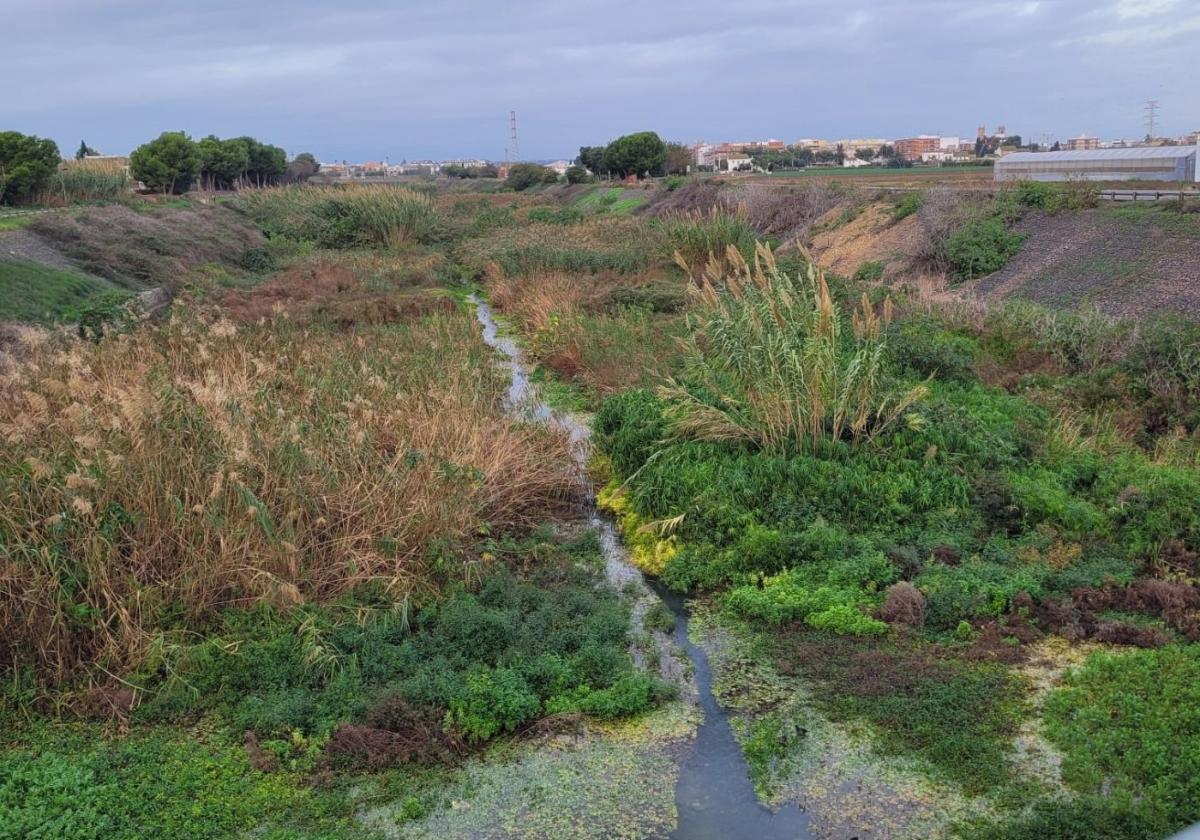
(1058, 197)
(846, 620)
(77, 784)
(922, 347)
(655, 297)
(555, 215)
(981, 247)
(579, 175)
(522, 176)
(906, 206)
(629, 427)
(493, 701)
(869, 272)
(106, 314)
(976, 589)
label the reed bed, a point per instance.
(156, 478)
(342, 216)
(80, 184)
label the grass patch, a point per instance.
(957, 717)
(1129, 727)
(33, 293)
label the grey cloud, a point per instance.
(359, 79)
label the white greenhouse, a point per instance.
(1141, 163)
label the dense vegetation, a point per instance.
(290, 539)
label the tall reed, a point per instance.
(697, 237)
(77, 184)
(768, 362)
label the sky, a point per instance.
(367, 79)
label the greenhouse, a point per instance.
(1143, 163)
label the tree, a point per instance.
(678, 160)
(267, 163)
(302, 167)
(841, 155)
(26, 164)
(1057, 147)
(636, 154)
(592, 158)
(84, 151)
(578, 175)
(167, 164)
(522, 176)
(865, 154)
(222, 162)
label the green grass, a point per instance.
(1156, 215)
(33, 293)
(15, 222)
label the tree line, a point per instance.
(171, 163)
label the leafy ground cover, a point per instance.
(33, 293)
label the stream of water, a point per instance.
(714, 796)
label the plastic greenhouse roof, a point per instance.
(1135, 153)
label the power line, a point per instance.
(512, 117)
(1151, 110)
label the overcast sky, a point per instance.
(367, 79)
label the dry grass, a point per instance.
(151, 248)
(156, 477)
(570, 327)
(342, 292)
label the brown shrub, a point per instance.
(259, 760)
(1123, 633)
(395, 733)
(903, 604)
(998, 643)
(1160, 597)
(787, 211)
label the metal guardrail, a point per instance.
(1147, 195)
(1103, 195)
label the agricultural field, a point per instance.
(330, 547)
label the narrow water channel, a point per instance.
(714, 797)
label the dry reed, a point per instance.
(156, 477)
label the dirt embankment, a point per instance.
(1128, 261)
(843, 244)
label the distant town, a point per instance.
(766, 155)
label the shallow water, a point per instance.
(714, 796)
